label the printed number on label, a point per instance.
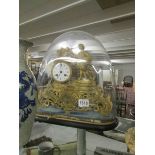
(83, 103)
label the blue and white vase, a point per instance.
(27, 95)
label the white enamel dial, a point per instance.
(61, 72)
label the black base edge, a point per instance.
(86, 126)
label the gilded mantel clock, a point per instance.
(68, 85)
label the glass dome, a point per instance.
(75, 80)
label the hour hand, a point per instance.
(57, 75)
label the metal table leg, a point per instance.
(81, 142)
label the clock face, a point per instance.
(61, 72)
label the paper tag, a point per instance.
(83, 103)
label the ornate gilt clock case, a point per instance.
(71, 78)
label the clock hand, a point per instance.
(60, 66)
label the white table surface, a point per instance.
(62, 135)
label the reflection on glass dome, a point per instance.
(71, 80)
